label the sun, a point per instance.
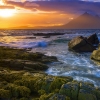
(7, 12)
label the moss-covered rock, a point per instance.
(45, 96)
(25, 85)
(65, 90)
(96, 56)
(20, 59)
(59, 97)
(18, 91)
(5, 94)
(70, 89)
(97, 93)
(84, 95)
(11, 53)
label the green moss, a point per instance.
(84, 95)
(45, 96)
(25, 85)
(41, 92)
(66, 90)
(23, 98)
(5, 94)
(18, 91)
(19, 59)
(97, 93)
(57, 83)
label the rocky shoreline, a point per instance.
(86, 44)
(25, 85)
(22, 77)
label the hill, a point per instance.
(84, 21)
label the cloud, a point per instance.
(26, 4)
(7, 7)
(91, 0)
(61, 6)
(70, 6)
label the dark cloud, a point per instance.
(26, 4)
(62, 6)
(70, 6)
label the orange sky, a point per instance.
(32, 19)
(31, 13)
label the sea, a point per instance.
(77, 65)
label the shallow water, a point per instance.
(79, 66)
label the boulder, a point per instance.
(81, 44)
(96, 56)
(70, 89)
(93, 39)
(84, 95)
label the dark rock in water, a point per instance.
(30, 38)
(93, 39)
(47, 59)
(46, 37)
(81, 44)
(48, 34)
(61, 40)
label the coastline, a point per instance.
(27, 85)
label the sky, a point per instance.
(32, 13)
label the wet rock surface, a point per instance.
(93, 39)
(83, 44)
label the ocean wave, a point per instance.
(25, 45)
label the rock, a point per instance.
(39, 57)
(70, 89)
(66, 90)
(96, 56)
(35, 66)
(88, 92)
(46, 37)
(22, 65)
(48, 34)
(59, 97)
(80, 44)
(60, 40)
(84, 95)
(47, 59)
(97, 93)
(87, 87)
(93, 39)
(74, 91)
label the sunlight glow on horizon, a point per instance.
(1, 2)
(6, 12)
